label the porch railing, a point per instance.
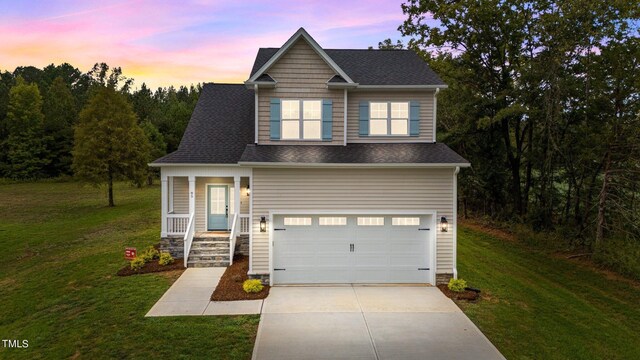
(244, 224)
(232, 238)
(177, 224)
(188, 237)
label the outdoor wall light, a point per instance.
(248, 190)
(444, 224)
(263, 224)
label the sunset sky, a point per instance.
(181, 42)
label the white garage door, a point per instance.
(372, 249)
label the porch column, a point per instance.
(236, 198)
(165, 205)
(192, 194)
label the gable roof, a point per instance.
(353, 154)
(300, 34)
(372, 67)
(221, 126)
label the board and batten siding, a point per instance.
(425, 98)
(301, 74)
(352, 189)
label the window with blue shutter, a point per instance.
(414, 118)
(274, 123)
(364, 118)
(327, 120)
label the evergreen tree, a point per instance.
(109, 143)
(59, 117)
(24, 146)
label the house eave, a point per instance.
(399, 87)
(192, 164)
(351, 165)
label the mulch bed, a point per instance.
(152, 267)
(230, 286)
(464, 295)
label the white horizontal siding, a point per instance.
(352, 189)
(426, 99)
(301, 74)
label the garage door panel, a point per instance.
(323, 253)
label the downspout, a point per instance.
(344, 129)
(255, 91)
(435, 112)
(455, 222)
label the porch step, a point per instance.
(209, 252)
(207, 263)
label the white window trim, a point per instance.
(405, 221)
(301, 120)
(368, 221)
(390, 118)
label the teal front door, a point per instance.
(217, 207)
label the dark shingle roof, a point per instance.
(403, 153)
(336, 79)
(221, 126)
(373, 67)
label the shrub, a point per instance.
(150, 254)
(165, 259)
(252, 286)
(457, 285)
(137, 263)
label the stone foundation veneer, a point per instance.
(262, 277)
(443, 278)
(174, 245)
(242, 245)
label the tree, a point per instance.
(158, 147)
(109, 143)
(387, 44)
(59, 117)
(24, 147)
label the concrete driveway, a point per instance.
(363, 322)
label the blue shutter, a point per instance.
(364, 118)
(327, 120)
(274, 123)
(414, 118)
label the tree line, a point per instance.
(51, 123)
(543, 99)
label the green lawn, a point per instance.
(540, 307)
(61, 247)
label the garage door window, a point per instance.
(405, 221)
(333, 221)
(297, 221)
(370, 221)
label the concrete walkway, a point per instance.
(191, 293)
(366, 323)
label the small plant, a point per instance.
(150, 254)
(252, 286)
(457, 285)
(165, 259)
(137, 263)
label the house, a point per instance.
(323, 167)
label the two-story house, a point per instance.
(323, 167)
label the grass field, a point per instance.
(541, 307)
(61, 247)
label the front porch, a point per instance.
(205, 216)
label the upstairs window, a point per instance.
(389, 118)
(301, 120)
